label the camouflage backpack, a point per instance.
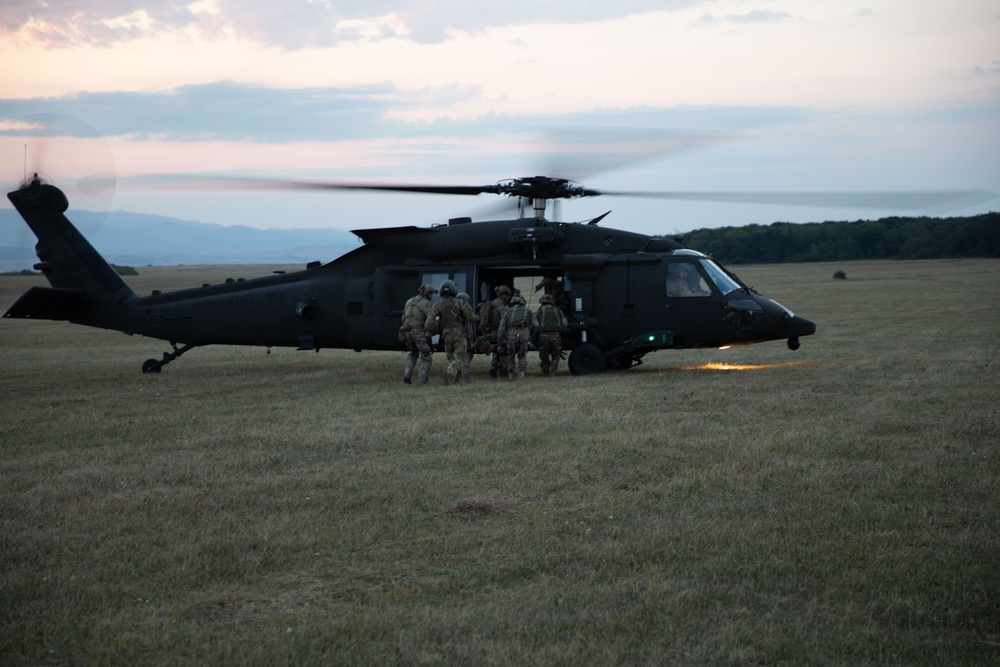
(517, 316)
(548, 318)
(450, 315)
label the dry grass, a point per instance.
(836, 505)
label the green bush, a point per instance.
(125, 270)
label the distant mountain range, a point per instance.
(138, 239)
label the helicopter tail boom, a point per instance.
(84, 287)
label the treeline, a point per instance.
(888, 238)
(123, 270)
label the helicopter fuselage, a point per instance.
(624, 294)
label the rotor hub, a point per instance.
(543, 187)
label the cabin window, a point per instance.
(458, 277)
(684, 280)
(398, 288)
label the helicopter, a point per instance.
(625, 294)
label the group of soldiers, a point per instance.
(506, 325)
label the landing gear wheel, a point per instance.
(587, 359)
(154, 365)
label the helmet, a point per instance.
(426, 290)
(464, 297)
(518, 300)
(502, 290)
(546, 298)
(448, 288)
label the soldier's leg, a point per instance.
(411, 358)
(424, 372)
(459, 357)
(467, 362)
(449, 354)
(543, 354)
(411, 362)
(511, 356)
(556, 353)
(522, 357)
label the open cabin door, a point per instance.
(394, 286)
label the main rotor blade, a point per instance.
(548, 188)
(207, 182)
(886, 200)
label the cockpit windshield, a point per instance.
(719, 277)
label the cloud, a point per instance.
(227, 111)
(431, 22)
(755, 16)
(293, 24)
(224, 111)
(98, 22)
(992, 68)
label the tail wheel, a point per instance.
(587, 359)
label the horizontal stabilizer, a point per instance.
(47, 303)
(369, 235)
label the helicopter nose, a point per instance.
(798, 326)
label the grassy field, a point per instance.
(834, 505)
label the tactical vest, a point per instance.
(414, 313)
(517, 316)
(548, 318)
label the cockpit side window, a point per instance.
(684, 280)
(719, 277)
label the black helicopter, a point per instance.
(625, 294)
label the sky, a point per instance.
(690, 96)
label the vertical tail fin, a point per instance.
(84, 285)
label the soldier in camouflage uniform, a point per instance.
(490, 314)
(470, 340)
(554, 286)
(413, 335)
(450, 317)
(551, 324)
(515, 331)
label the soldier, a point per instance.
(470, 340)
(554, 286)
(413, 335)
(682, 281)
(514, 333)
(490, 314)
(450, 317)
(551, 324)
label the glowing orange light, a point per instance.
(717, 366)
